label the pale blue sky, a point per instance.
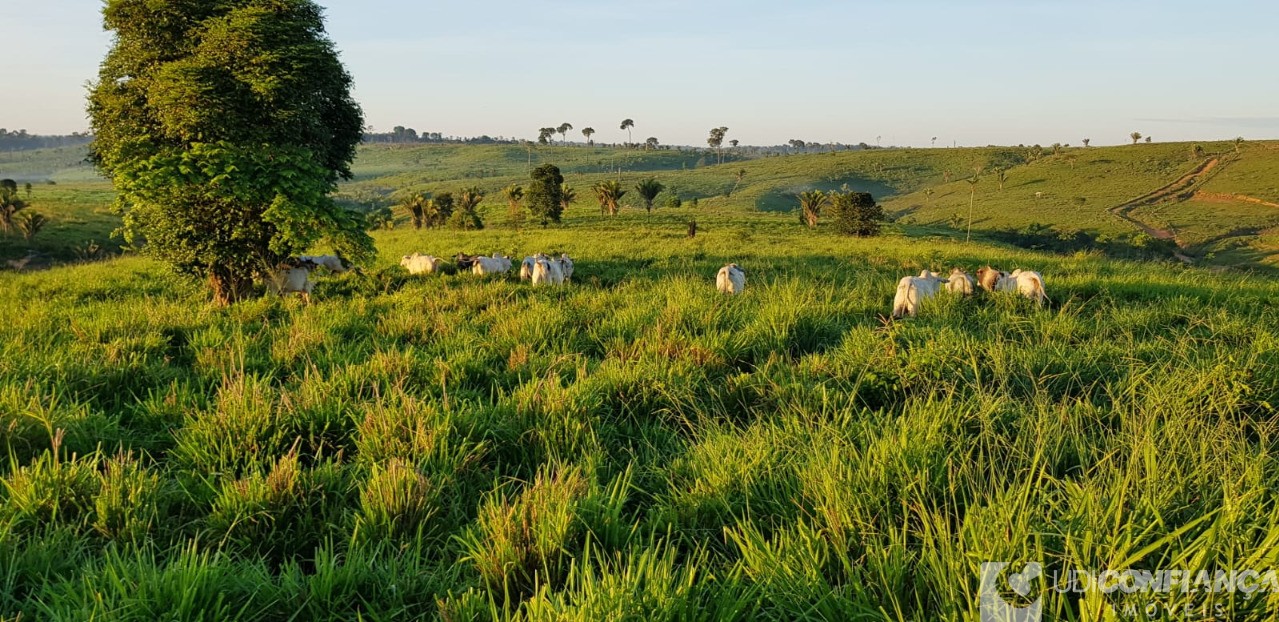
(979, 72)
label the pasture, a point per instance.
(634, 445)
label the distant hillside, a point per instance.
(1125, 200)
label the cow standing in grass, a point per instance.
(731, 279)
(1026, 282)
(333, 263)
(960, 282)
(292, 276)
(421, 264)
(547, 272)
(913, 290)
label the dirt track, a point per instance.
(1179, 189)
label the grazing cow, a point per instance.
(465, 262)
(960, 282)
(731, 279)
(566, 266)
(547, 272)
(912, 290)
(333, 263)
(988, 277)
(418, 263)
(292, 276)
(496, 264)
(526, 267)
(1026, 282)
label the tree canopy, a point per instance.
(544, 195)
(224, 125)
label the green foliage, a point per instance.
(545, 195)
(224, 139)
(811, 203)
(609, 193)
(855, 213)
(439, 211)
(417, 205)
(648, 189)
(568, 195)
(10, 204)
(513, 194)
(30, 224)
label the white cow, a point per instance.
(731, 279)
(913, 290)
(293, 277)
(547, 272)
(418, 263)
(526, 266)
(334, 263)
(496, 264)
(1027, 282)
(961, 283)
(566, 266)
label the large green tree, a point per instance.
(545, 194)
(224, 126)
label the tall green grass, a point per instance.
(632, 445)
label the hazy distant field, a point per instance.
(633, 445)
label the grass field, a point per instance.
(633, 445)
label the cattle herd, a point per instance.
(293, 276)
(912, 290)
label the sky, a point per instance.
(897, 72)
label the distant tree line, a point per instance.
(401, 134)
(22, 141)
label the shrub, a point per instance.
(466, 220)
(856, 213)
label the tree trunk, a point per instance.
(228, 288)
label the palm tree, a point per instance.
(1238, 143)
(469, 198)
(562, 130)
(417, 206)
(739, 176)
(972, 197)
(609, 193)
(9, 205)
(1135, 136)
(810, 205)
(587, 131)
(934, 141)
(627, 124)
(648, 190)
(567, 195)
(1086, 141)
(1001, 175)
(513, 194)
(30, 224)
